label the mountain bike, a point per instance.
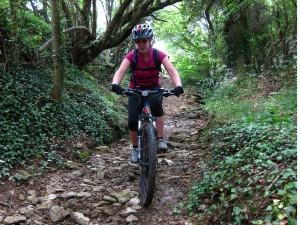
(147, 144)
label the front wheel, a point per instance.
(148, 164)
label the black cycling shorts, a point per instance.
(135, 107)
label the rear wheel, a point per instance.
(148, 165)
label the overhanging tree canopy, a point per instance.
(128, 14)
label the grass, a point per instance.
(233, 102)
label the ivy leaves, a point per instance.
(31, 124)
(253, 165)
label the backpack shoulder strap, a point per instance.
(134, 61)
(133, 66)
(157, 61)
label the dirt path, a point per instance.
(104, 189)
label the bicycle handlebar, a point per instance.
(145, 93)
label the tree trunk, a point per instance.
(45, 11)
(14, 5)
(109, 9)
(94, 18)
(56, 53)
(86, 13)
(207, 16)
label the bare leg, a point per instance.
(160, 126)
(133, 137)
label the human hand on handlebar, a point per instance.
(117, 89)
(178, 90)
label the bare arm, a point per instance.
(121, 71)
(172, 71)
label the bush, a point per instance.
(31, 123)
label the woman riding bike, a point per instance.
(145, 76)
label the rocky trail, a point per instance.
(104, 190)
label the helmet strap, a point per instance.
(151, 42)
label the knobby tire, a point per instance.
(148, 165)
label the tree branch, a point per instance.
(207, 16)
(87, 31)
(159, 19)
(120, 27)
(66, 13)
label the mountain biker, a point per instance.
(145, 76)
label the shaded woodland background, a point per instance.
(239, 56)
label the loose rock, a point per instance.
(109, 199)
(131, 218)
(27, 211)
(58, 213)
(14, 219)
(123, 196)
(128, 211)
(79, 218)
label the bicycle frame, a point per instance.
(145, 117)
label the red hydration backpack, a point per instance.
(133, 64)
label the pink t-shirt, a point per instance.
(145, 74)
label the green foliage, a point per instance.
(35, 30)
(251, 177)
(256, 180)
(32, 125)
(238, 99)
(27, 35)
(209, 36)
(188, 44)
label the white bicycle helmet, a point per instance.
(141, 31)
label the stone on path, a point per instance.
(109, 199)
(134, 201)
(33, 197)
(79, 218)
(123, 196)
(53, 189)
(128, 211)
(22, 175)
(83, 194)
(14, 219)
(77, 173)
(68, 195)
(45, 205)
(102, 148)
(27, 211)
(58, 213)
(131, 218)
(98, 188)
(169, 162)
(72, 165)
